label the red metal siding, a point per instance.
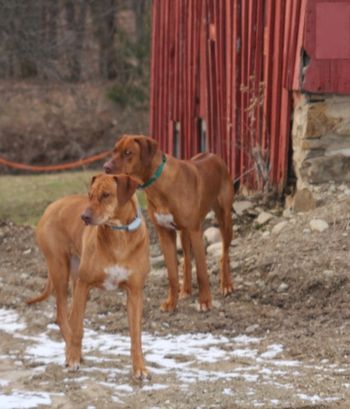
(327, 46)
(230, 63)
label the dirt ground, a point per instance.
(282, 340)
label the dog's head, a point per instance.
(132, 155)
(106, 195)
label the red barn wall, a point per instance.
(221, 76)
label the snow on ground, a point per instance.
(190, 358)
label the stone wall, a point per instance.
(321, 139)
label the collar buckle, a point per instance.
(134, 225)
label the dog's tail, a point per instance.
(44, 295)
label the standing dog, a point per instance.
(113, 250)
(180, 193)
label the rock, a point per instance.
(241, 206)
(328, 273)
(263, 218)
(303, 201)
(214, 249)
(234, 265)
(157, 262)
(178, 243)
(234, 243)
(216, 304)
(212, 235)
(306, 231)
(26, 252)
(318, 225)
(266, 234)
(287, 213)
(282, 288)
(279, 227)
(252, 328)
(210, 216)
(261, 284)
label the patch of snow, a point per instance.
(9, 321)
(24, 400)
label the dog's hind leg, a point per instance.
(222, 209)
(76, 321)
(167, 239)
(58, 266)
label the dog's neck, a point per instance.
(152, 175)
(124, 215)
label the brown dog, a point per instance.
(113, 251)
(180, 193)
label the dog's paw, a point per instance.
(73, 366)
(168, 306)
(204, 306)
(142, 375)
(226, 290)
(183, 294)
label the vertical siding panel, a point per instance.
(203, 52)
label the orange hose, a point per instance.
(64, 166)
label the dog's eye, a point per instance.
(105, 195)
(127, 152)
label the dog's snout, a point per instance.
(107, 167)
(86, 217)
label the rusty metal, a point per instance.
(222, 78)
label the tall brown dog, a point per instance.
(113, 252)
(180, 193)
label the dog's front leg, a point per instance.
(198, 248)
(76, 323)
(186, 288)
(167, 239)
(135, 310)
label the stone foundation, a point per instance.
(321, 139)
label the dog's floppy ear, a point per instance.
(93, 180)
(148, 147)
(126, 187)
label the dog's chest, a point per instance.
(114, 276)
(165, 220)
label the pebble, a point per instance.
(212, 235)
(283, 287)
(287, 213)
(318, 225)
(214, 249)
(234, 265)
(157, 262)
(252, 328)
(241, 206)
(263, 218)
(328, 273)
(279, 227)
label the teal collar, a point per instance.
(134, 225)
(155, 175)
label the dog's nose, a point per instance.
(107, 167)
(86, 218)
